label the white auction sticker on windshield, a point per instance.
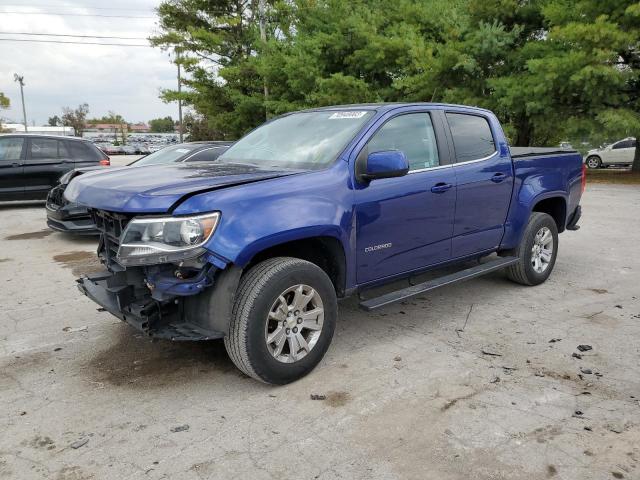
(182, 150)
(338, 115)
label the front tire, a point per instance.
(283, 320)
(593, 162)
(537, 251)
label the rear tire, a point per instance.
(593, 162)
(283, 320)
(537, 251)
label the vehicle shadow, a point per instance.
(132, 360)
(22, 205)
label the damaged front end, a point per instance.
(162, 300)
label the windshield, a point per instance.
(305, 140)
(166, 155)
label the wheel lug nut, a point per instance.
(297, 312)
(295, 329)
(299, 320)
(288, 331)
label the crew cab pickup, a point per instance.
(312, 206)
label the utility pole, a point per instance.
(179, 91)
(20, 80)
(263, 38)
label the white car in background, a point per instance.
(619, 153)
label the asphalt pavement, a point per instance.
(482, 380)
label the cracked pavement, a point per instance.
(408, 392)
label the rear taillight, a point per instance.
(105, 162)
(584, 177)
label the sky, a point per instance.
(126, 80)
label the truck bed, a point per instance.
(519, 152)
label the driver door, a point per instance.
(406, 223)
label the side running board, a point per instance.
(461, 276)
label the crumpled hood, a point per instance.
(156, 189)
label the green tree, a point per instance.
(197, 128)
(121, 125)
(595, 59)
(552, 70)
(217, 41)
(75, 118)
(161, 125)
(4, 101)
(54, 121)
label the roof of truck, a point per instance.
(385, 106)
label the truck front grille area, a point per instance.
(111, 225)
(149, 298)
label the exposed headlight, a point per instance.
(66, 178)
(152, 240)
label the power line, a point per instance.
(73, 14)
(69, 35)
(74, 43)
(38, 5)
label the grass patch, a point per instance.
(616, 176)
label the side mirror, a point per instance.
(386, 164)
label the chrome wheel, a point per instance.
(294, 323)
(542, 250)
(593, 162)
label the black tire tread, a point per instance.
(251, 285)
(517, 272)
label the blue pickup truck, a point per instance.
(317, 205)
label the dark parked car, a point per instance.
(70, 217)
(30, 165)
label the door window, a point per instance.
(80, 151)
(11, 149)
(413, 135)
(42, 148)
(472, 138)
(62, 150)
(624, 144)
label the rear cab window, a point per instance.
(472, 137)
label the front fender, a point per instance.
(265, 214)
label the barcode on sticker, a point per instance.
(347, 115)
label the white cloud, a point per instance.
(126, 80)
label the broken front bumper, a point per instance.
(68, 217)
(127, 296)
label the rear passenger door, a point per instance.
(484, 178)
(47, 159)
(11, 168)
